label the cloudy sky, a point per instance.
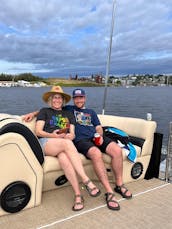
(61, 38)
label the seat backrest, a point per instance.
(19, 128)
(132, 126)
(30, 125)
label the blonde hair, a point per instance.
(49, 102)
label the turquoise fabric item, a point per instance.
(122, 138)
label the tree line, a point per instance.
(24, 76)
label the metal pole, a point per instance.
(168, 168)
(108, 58)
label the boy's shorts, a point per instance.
(85, 144)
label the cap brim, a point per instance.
(78, 96)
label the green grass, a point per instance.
(71, 83)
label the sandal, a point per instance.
(119, 189)
(90, 190)
(109, 199)
(78, 203)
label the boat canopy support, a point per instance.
(109, 57)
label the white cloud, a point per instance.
(62, 38)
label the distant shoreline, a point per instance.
(71, 83)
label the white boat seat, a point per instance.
(22, 160)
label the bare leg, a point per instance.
(115, 152)
(96, 156)
(69, 172)
(55, 146)
(72, 178)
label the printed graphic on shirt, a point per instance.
(83, 118)
(60, 122)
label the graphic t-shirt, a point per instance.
(86, 121)
(56, 119)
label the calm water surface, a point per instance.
(132, 102)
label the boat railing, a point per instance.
(168, 170)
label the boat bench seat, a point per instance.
(22, 159)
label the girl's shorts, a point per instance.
(42, 142)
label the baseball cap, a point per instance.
(78, 92)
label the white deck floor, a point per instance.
(151, 207)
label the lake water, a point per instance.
(132, 102)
